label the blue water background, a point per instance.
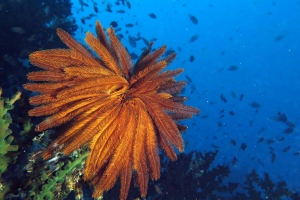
(268, 72)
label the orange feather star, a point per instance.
(124, 112)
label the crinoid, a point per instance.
(124, 111)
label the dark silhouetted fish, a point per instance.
(254, 104)
(96, 9)
(233, 142)
(241, 97)
(108, 8)
(193, 19)
(134, 56)
(286, 149)
(192, 58)
(273, 157)
(120, 11)
(132, 41)
(129, 25)
(279, 37)
(260, 140)
(296, 153)
(243, 146)
(290, 124)
(188, 78)
(223, 98)
(120, 36)
(194, 38)
(233, 68)
(152, 15)
(231, 113)
(114, 24)
(168, 52)
(288, 130)
(82, 20)
(270, 141)
(146, 42)
(128, 4)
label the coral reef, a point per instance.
(6, 138)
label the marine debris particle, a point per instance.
(152, 15)
(193, 19)
(254, 104)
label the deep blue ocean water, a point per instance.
(261, 39)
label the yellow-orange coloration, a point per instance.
(124, 112)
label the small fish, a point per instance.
(128, 4)
(120, 11)
(260, 140)
(288, 130)
(129, 25)
(243, 146)
(168, 52)
(193, 19)
(152, 15)
(134, 56)
(158, 190)
(233, 142)
(96, 9)
(270, 141)
(108, 8)
(188, 78)
(279, 37)
(192, 58)
(194, 38)
(114, 24)
(82, 20)
(290, 124)
(120, 36)
(250, 123)
(254, 104)
(223, 98)
(231, 113)
(233, 68)
(286, 149)
(241, 97)
(132, 41)
(296, 153)
(273, 157)
(146, 42)
(18, 30)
